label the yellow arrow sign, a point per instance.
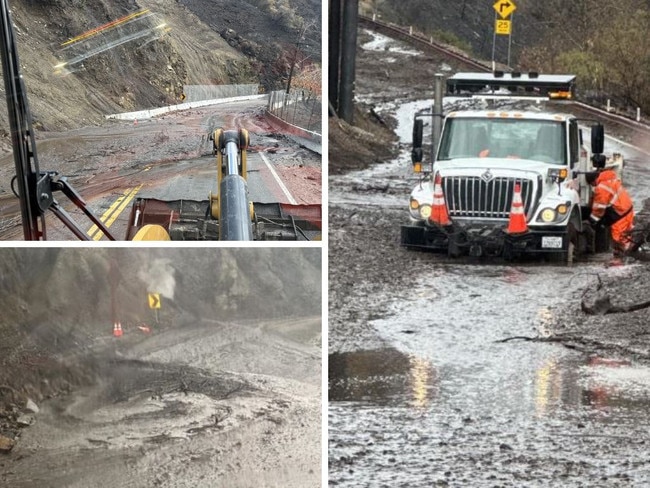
(505, 8)
(154, 300)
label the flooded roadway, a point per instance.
(168, 158)
(446, 403)
(433, 380)
(422, 392)
(205, 404)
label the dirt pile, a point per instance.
(357, 146)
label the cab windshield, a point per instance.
(538, 140)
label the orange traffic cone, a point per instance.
(517, 223)
(117, 329)
(439, 214)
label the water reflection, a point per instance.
(597, 383)
(388, 376)
(382, 376)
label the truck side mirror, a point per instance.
(416, 155)
(597, 139)
(598, 161)
(418, 129)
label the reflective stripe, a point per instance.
(610, 194)
(594, 218)
(605, 187)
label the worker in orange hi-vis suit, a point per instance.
(612, 207)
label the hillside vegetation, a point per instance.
(601, 41)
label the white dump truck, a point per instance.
(489, 165)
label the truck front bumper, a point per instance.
(488, 240)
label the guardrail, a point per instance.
(416, 39)
(147, 114)
(300, 109)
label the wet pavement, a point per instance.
(169, 158)
(458, 372)
(446, 403)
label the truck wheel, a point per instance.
(573, 248)
(567, 256)
(602, 240)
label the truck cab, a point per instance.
(483, 157)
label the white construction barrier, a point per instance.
(147, 114)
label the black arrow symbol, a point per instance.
(503, 5)
(154, 300)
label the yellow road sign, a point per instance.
(503, 27)
(505, 8)
(154, 300)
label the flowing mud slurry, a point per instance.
(211, 405)
(448, 403)
(433, 377)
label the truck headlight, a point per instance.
(547, 215)
(550, 215)
(425, 211)
(414, 207)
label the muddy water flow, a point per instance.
(432, 398)
(446, 398)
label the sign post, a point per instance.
(154, 303)
(502, 25)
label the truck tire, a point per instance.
(567, 256)
(602, 240)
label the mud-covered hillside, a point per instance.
(234, 348)
(137, 74)
(69, 289)
(271, 33)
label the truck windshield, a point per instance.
(538, 140)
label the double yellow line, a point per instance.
(114, 212)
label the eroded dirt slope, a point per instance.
(139, 75)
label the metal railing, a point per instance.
(300, 108)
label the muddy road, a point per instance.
(168, 157)
(473, 372)
(209, 404)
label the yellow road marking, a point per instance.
(114, 212)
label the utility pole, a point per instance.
(348, 59)
(334, 39)
(299, 42)
(293, 64)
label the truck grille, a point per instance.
(471, 196)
